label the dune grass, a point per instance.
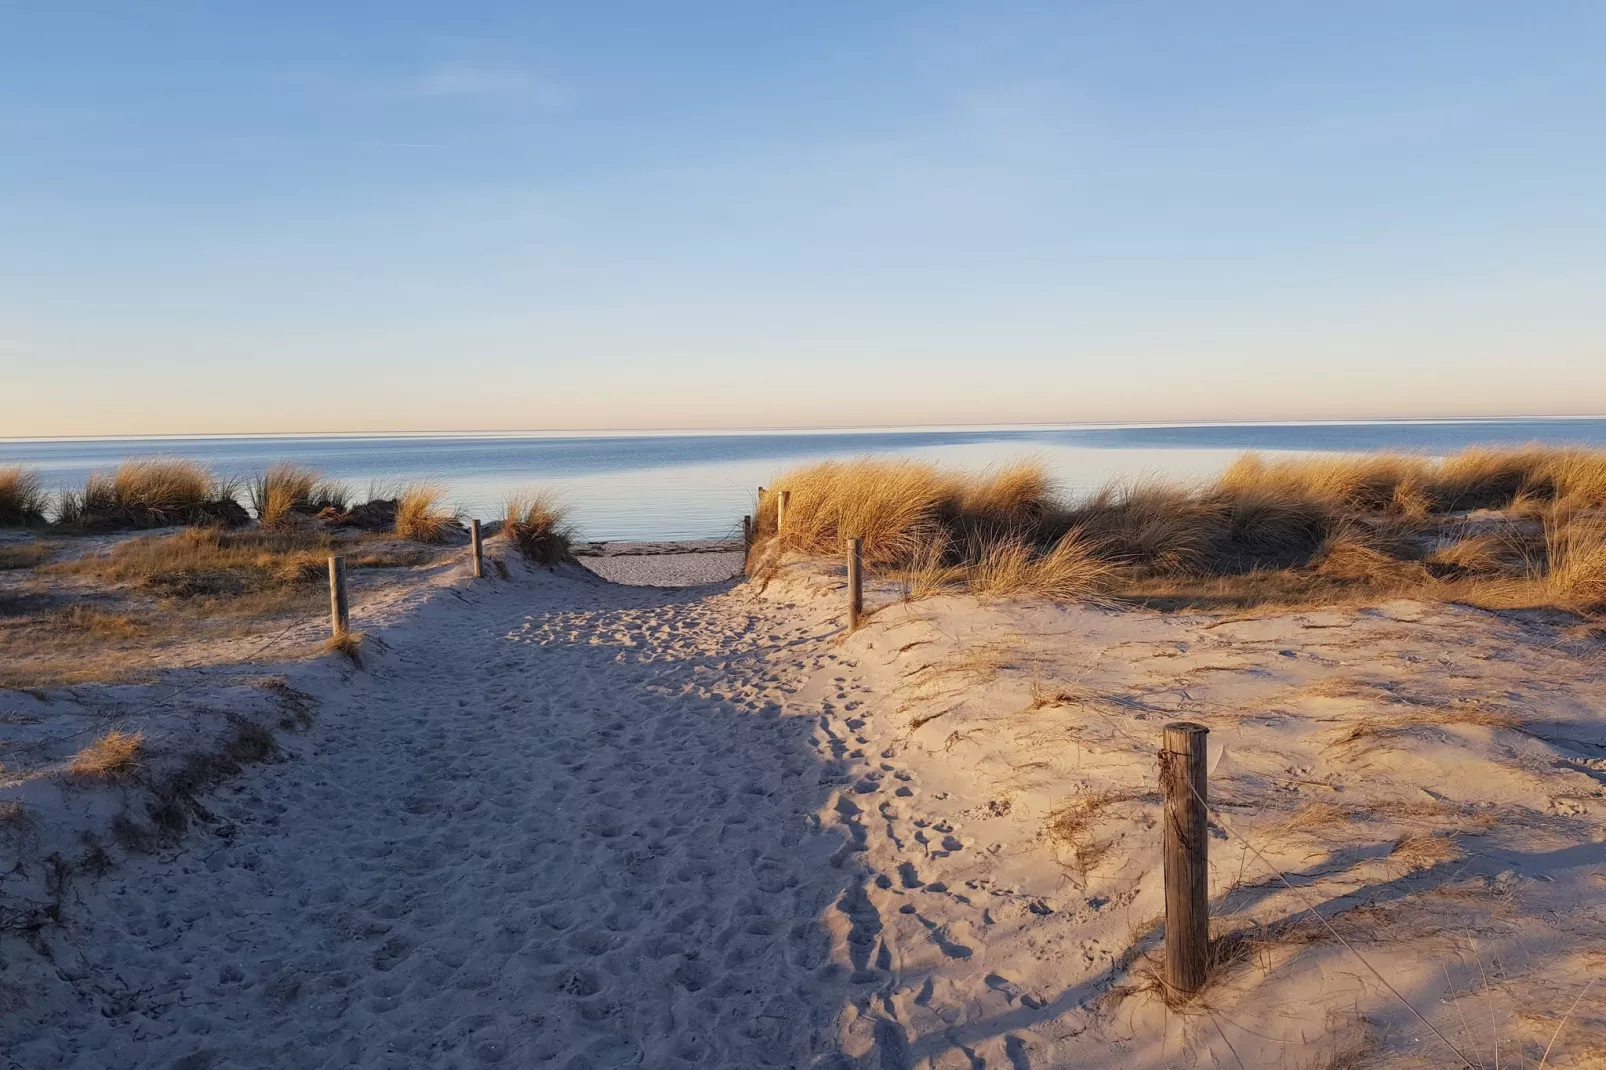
(220, 565)
(1291, 531)
(421, 513)
(112, 756)
(150, 493)
(287, 491)
(536, 522)
(22, 498)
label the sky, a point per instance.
(410, 216)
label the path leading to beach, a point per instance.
(555, 821)
(565, 822)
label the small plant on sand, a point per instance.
(22, 498)
(288, 490)
(421, 513)
(152, 493)
(348, 645)
(536, 523)
(111, 756)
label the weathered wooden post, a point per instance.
(1186, 855)
(855, 582)
(782, 500)
(339, 610)
(479, 548)
(747, 530)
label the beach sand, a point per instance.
(555, 820)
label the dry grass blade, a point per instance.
(1563, 1023)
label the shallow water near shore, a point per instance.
(656, 485)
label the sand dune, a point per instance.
(558, 821)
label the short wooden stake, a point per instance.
(479, 548)
(1186, 857)
(855, 582)
(339, 610)
(782, 500)
(747, 530)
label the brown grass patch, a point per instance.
(99, 623)
(1424, 850)
(18, 555)
(212, 568)
(110, 757)
(22, 497)
(535, 522)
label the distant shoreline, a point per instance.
(861, 429)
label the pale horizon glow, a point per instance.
(310, 219)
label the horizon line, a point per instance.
(802, 429)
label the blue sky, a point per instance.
(408, 216)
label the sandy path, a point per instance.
(555, 822)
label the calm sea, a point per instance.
(668, 486)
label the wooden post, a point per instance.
(339, 610)
(782, 500)
(479, 548)
(1186, 855)
(855, 582)
(747, 530)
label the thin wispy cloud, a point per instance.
(507, 83)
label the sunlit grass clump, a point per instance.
(287, 491)
(536, 523)
(151, 493)
(22, 498)
(422, 514)
(1520, 526)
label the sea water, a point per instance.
(658, 485)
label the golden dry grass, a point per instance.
(200, 562)
(287, 490)
(1013, 568)
(112, 756)
(152, 492)
(98, 622)
(255, 572)
(535, 522)
(422, 515)
(348, 645)
(1284, 532)
(22, 497)
(1576, 552)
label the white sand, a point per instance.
(562, 822)
(660, 564)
